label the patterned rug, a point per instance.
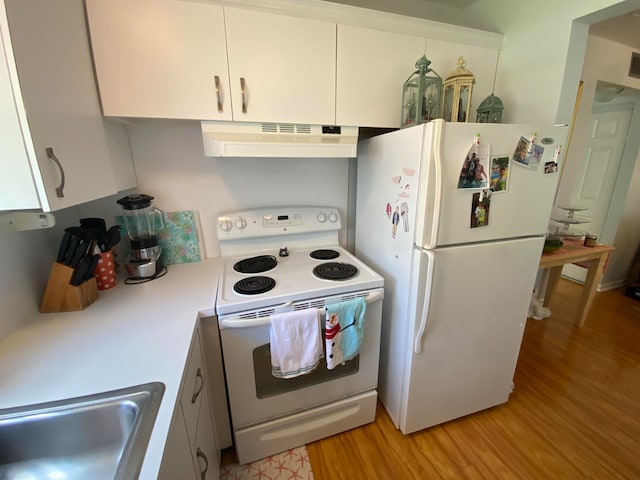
(290, 465)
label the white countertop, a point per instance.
(130, 335)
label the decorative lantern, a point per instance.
(490, 110)
(457, 94)
(421, 95)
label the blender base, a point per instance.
(144, 268)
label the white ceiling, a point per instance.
(624, 29)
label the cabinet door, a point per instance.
(17, 189)
(177, 458)
(371, 67)
(53, 61)
(193, 389)
(281, 68)
(160, 58)
(206, 454)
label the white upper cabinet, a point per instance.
(160, 58)
(372, 65)
(17, 186)
(55, 110)
(281, 68)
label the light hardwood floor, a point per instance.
(574, 413)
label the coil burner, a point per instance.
(259, 264)
(254, 285)
(335, 271)
(324, 254)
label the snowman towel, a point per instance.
(296, 345)
(344, 330)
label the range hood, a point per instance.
(230, 139)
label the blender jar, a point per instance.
(140, 216)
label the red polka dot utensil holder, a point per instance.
(105, 272)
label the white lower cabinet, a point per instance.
(191, 451)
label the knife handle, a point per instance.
(80, 252)
(64, 245)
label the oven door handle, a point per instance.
(236, 322)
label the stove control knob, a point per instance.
(225, 225)
(241, 224)
(333, 217)
(322, 217)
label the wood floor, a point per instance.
(574, 414)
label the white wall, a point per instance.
(627, 239)
(171, 166)
(26, 258)
(539, 67)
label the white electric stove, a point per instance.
(277, 260)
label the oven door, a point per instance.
(256, 395)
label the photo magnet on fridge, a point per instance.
(528, 154)
(473, 173)
(499, 173)
(480, 209)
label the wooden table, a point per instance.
(573, 251)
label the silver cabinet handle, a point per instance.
(197, 392)
(244, 94)
(217, 80)
(59, 188)
(200, 454)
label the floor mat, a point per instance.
(290, 465)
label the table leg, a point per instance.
(552, 283)
(594, 274)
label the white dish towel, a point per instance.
(296, 343)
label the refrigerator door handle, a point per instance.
(437, 162)
(417, 347)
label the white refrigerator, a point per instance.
(459, 260)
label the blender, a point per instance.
(141, 219)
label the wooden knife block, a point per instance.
(60, 296)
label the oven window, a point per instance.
(267, 385)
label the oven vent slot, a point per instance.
(311, 304)
(257, 313)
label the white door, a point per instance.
(464, 351)
(597, 179)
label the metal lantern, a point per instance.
(457, 94)
(421, 95)
(490, 110)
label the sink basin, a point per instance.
(101, 436)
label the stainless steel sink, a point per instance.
(101, 436)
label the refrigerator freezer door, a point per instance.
(470, 307)
(446, 210)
